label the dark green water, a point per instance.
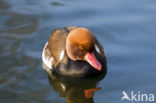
(125, 28)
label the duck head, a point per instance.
(80, 45)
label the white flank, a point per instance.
(97, 49)
(61, 55)
(47, 60)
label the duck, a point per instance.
(74, 52)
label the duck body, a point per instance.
(56, 58)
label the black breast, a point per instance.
(81, 69)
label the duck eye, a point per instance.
(81, 47)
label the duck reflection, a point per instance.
(73, 89)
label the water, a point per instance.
(125, 28)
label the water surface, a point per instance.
(125, 28)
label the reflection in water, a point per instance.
(17, 23)
(73, 89)
(4, 5)
(57, 4)
(15, 64)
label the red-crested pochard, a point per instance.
(74, 52)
